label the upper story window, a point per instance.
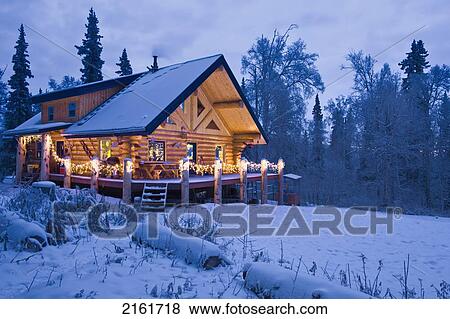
(72, 109)
(51, 113)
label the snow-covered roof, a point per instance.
(145, 103)
(141, 106)
(34, 126)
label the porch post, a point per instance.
(45, 157)
(184, 168)
(264, 185)
(127, 172)
(67, 171)
(243, 181)
(95, 172)
(280, 181)
(20, 158)
(218, 181)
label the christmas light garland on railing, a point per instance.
(252, 167)
(86, 168)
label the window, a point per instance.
(60, 149)
(105, 149)
(38, 150)
(191, 152)
(72, 109)
(212, 126)
(169, 120)
(182, 106)
(51, 113)
(219, 152)
(200, 108)
(156, 151)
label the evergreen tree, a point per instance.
(419, 136)
(19, 109)
(415, 61)
(3, 98)
(124, 64)
(317, 152)
(90, 51)
(318, 133)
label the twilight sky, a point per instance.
(182, 30)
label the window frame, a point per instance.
(101, 153)
(60, 151)
(52, 108)
(153, 160)
(74, 109)
(222, 147)
(194, 151)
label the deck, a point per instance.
(204, 181)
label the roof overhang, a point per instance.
(34, 126)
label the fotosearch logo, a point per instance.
(235, 220)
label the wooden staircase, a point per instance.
(154, 197)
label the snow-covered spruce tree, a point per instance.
(66, 82)
(414, 89)
(18, 108)
(124, 64)
(90, 51)
(317, 151)
(3, 97)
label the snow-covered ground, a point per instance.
(94, 268)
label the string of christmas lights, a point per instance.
(117, 169)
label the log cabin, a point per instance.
(178, 125)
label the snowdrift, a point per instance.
(191, 249)
(272, 281)
(30, 235)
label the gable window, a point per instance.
(169, 120)
(72, 107)
(219, 152)
(156, 151)
(212, 126)
(51, 113)
(105, 149)
(200, 108)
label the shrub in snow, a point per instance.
(272, 281)
(79, 200)
(194, 220)
(191, 249)
(32, 204)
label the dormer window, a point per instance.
(72, 109)
(51, 113)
